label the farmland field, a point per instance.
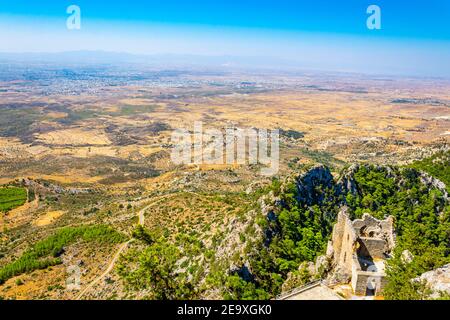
(12, 197)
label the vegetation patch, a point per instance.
(16, 120)
(437, 166)
(47, 252)
(12, 197)
(164, 269)
(130, 110)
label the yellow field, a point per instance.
(75, 137)
(48, 218)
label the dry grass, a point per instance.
(48, 218)
(76, 137)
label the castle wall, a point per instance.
(361, 280)
(338, 235)
(371, 247)
(366, 238)
(344, 238)
(383, 283)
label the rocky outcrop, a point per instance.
(338, 276)
(307, 183)
(323, 265)
(432, 182)
(232, 242)
(47, 187)
(346, 183)
(305, 273)
(244, 271)
(438, 281)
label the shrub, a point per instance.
(45, 253)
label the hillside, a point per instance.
(86, 147)
(291, 225)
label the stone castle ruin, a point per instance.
(358, 251)
(355, 261)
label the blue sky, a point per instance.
(415, 35)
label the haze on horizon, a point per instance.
(414, 39)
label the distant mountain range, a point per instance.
(166, 60)
(193, 62)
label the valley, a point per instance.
(86, 177)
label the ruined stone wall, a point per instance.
(337, 236)
(359, 283)
(344, 239)
(370, 227)
(387, 226)
(367, 238)
(383, 283)
(361, 280)
(371, 247)
(356, 268)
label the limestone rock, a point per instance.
(307, 183)
(338, 276)
(302, 276)
(437, 280)
(322, 265)
(432, 182)
(330, 250)
(347, 183)
(407, 256)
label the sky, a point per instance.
(322, 34)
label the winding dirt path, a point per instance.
(122, 247)
(108, 270)
(157, 201)
(113, 261)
